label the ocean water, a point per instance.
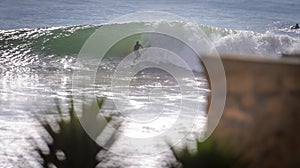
(39, 46)
(255, 15)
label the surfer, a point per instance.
(295, 27)
(136, 48)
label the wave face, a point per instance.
(44, 46)
(58, 46)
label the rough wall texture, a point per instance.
(262, 111)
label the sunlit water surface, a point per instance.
(150, 110)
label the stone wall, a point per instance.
(262, 112)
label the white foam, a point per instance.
(251, 43)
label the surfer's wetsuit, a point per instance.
(136, 48)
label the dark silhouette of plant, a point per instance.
(71, 146)
(209, 154)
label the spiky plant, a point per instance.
(71, 146)
(210, 153)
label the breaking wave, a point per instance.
(59, 46)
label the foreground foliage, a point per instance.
(209, 154)
(71, 146)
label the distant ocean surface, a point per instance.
(40, 40)
(255, 15)
(259, 24)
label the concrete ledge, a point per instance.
(262, 111)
